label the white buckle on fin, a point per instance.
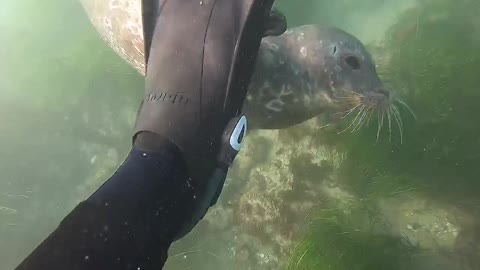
(238, 134)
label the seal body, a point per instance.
(119, 23)
(306, 71)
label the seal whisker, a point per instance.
(389, 124)
(361, 121)
(349, 101)
(397, 112)
(370, 116)
(354, 120)
(399, 122)
(346, 97)
(365, 118)
(350, 111)
(8, 209)
(360, 113)
(354, 128)
(399, 127)
(406, 106)
(383, 117)
(380, 123)
(346, 111)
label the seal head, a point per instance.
(312, 70)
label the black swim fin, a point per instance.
(150, 11)
(275, 25)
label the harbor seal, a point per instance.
(307, 71)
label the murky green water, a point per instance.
(322, 200)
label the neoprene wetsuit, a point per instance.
(127, 223)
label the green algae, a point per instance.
(433, 65)
(438, 77)
(343, 237)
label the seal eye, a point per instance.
(352, 61)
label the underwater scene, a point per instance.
(382, 171)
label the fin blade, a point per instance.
(150, 11)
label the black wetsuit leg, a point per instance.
(128, 223)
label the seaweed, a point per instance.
(344, 238)
(432, 64)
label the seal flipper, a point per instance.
(150, 11)
(276, 23)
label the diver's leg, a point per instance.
(127, 223)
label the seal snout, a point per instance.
(379, 99)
